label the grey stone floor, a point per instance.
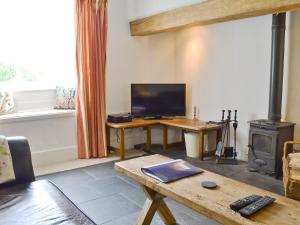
(110, 198)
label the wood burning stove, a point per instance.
(266, 137)
(266, 140)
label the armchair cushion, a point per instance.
(294, 164)
(294, 161)
(291, 170)
(6, 167)
(6, 103)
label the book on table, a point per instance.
(171, 170)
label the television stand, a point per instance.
(157, 118)
(152, 117)
(197, 126)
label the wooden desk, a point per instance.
(197, 126)
(212, 203)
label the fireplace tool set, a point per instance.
(225, 153)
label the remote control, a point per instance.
(256, 206)
(241, 203)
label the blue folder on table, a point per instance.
(170, 171)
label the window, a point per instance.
(37, 44)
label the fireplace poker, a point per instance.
(235, 125)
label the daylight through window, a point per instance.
(37, 44)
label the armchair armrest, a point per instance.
(285, 148)
(21, 158)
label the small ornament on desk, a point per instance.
(195, 113)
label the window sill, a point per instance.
(36, 115)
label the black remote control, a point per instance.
(256, 206)
(241, 203)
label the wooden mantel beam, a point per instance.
(209, 12)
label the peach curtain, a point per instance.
(91, 33)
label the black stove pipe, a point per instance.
(277, 61)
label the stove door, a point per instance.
(264, 145)
(264, 142)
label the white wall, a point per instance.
(34, 100)
(224, 65)
(227, 66)
(293, 96)
(134, 60)
(142, 8)
(52, 139)
(51, 135)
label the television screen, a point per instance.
(157, 100)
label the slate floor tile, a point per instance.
(101, 171)
(176, 207)
(109, 208)
(80, 194)
(184, 219)
(67, 179)
(129, 219)
(99, 183)
(110, 189)
(135, 194)
(129, 180)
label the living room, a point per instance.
(224, 61)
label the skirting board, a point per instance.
(52, 156)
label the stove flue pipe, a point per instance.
(277, 61)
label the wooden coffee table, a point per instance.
(212, 203)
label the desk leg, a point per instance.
(122, 144)
(108, 140)
(201, 145)
(148, 142)
(219, 136)
(182, 135)
(154, 202)
(165, 137)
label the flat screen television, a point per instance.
(157, 100)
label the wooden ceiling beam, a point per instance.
(209, 12)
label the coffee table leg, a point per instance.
(122, 144)
(153, 203)
(166, 214)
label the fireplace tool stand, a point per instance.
(225, 153)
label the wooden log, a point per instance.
(209, 12)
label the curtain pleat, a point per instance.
(91, 23)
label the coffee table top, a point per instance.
(213, 203)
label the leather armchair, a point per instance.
(21, 157)
(26, 201)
